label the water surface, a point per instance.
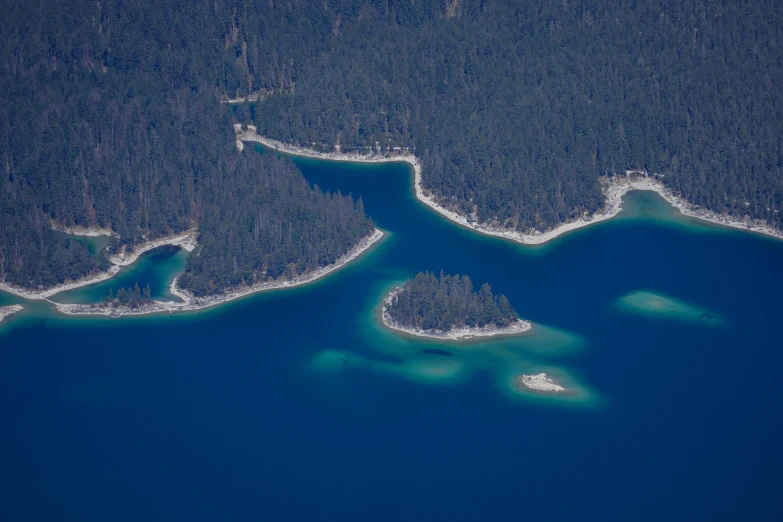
(296, 404)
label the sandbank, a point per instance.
(433, 370)
(454, 334)
(614, 189)
(192, 303)
(538, 382)
(5, 311)
(659, 306)
(428, 370)
(545, 385)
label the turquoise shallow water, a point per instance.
(299, 404)
(157, 268)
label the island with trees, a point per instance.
(447, 307)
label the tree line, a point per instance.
(132, 297)
(516, 108)
(427, 302)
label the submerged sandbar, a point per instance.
(659, 306)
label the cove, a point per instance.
(298, 403)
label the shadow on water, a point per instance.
(437, 351)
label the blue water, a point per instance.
(219, 416)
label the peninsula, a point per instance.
(448, 308)
(191, 302)
(122, 258)
(267, 228)
(613, 188)
(5, 311)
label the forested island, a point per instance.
(448, 307)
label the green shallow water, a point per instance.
(158, 268)
(303, 404)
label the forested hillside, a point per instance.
(267, 224)
(518, 106)
(110, 117)
(110, 113)
(440, 303)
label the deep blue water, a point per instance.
(220, 416)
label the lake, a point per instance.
(297, 404)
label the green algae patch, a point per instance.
(659, 306)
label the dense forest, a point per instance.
(440, 303)
(267, 224)
(517, 107)
(110, 116)
(132, 297)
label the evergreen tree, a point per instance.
(440, 303)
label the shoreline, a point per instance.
(192, 303)
(6, 311)
(84, 232)
(455, 334)
(614, 189)
(539, 383)
(186, 241)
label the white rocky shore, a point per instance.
(251, 98)
(538, 382)
(82, 231)
(396, 154)
(454, 334)
(614, 189)
(191, 302)
(186, 241)
(5, 311)
(45, 293)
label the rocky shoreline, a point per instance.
(5, 311)
(123, 258)
(186, 241)
(192, 303)
(454, 334)
(614, 189)
(86, 232)
(539, 383)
